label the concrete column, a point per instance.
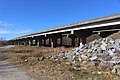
(78, 41)
(20, 42)
(35, 42)
(11, 42)
(44, 41)
(84, 39)
(61, 41)
(27, 41)
(82, 36)
(14, 42)
(24, 41)
(49, 41)
(54, 43)
(73, 41)
(17, 42)
(53, 38)
(39, 42)
(30, 42)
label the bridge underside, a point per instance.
(68, 38)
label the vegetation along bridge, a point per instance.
(76, 33)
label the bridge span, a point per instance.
(77, 33)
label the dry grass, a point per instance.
(46, 70)
(115, 35)
(92, 38)
(22, 52)
(88, 76)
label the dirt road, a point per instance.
(10, 72)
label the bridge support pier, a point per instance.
(73, 40)
(19, 42)
(54, 43)
(30, 42)
(44, 41)
(61, 41)
(82, 35)
(53, 40)
(27, 41)
(39, 42)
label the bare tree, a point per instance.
(2, 41)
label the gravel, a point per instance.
(10, 72)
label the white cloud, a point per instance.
(4, 24)
(4, 32)
(14, 32)
(7, 28)
(20, 31)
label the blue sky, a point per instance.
(20, 17)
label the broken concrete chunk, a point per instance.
(93, 58)
(114, 71)
(41, 58)
(84, 57)
(76, 68)
(103, 43)
(111, 53)
(103, 47)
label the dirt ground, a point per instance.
(10, 72)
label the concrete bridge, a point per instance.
(77, 33)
